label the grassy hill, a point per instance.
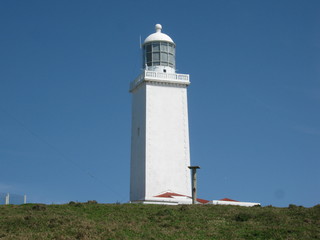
(135, 221)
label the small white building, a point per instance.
(160, 153)
(228, 201)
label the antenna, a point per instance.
(140, 41)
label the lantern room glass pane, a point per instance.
(164, 57)
(155, 56)
(149, 56)
(148, 48)
(171, 48)
(171, 59)
(143, 56)
(155, 47)
(164, 47)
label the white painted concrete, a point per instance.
(160, 153)
(236, 203)
(167, 140)
(138, 144)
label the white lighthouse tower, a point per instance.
(160, 153)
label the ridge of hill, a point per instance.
(135, 221)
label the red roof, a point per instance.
(228, 199)
(202, 200)
(171, 194)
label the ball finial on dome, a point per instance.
(158, 27)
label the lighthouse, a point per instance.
(160, 153)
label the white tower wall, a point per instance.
(160, 153)
(138, 142)
(167, 134)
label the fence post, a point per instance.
(7, 198)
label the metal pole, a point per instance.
(194, 183)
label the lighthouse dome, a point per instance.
(158, 36)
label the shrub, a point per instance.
(292, 206)
(39, 207)
(242, 217)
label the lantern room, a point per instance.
(159, 52)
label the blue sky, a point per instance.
(254, 98)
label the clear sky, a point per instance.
(254, 98)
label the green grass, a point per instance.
(135, 221)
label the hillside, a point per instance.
(129, 221)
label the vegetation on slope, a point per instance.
(135, 221)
